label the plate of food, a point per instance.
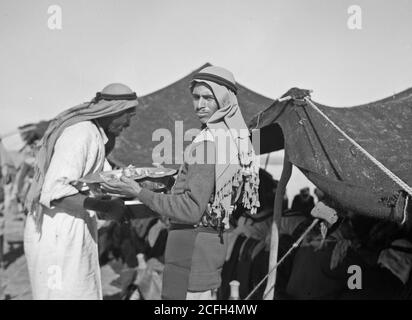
(130, 172)
(157, 179)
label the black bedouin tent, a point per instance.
(335, 165)
(359, 156)
(326, 157)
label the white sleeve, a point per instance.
(73, 150)
(107, 166)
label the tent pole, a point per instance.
(267, 161)
(277, 214)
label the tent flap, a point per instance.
(331, 162)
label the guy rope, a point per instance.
(293, 247)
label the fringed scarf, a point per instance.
(237, 167)
(86, 111)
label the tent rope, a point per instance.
(293, 247)
(405, 209)
(388, 172)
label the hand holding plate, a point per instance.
(124, 186)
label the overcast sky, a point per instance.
(269, 45)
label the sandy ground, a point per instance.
(14, 278)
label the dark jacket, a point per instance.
(186, 204)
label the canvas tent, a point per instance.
(331, 162)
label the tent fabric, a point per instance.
(332, 163)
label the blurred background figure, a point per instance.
(303, 202)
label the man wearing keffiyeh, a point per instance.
(60, 239)
(223, 173)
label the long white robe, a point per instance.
(63, 259)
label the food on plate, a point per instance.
(139, 174)
(129, 172)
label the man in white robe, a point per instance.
(60, 239)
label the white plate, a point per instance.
(132, 202)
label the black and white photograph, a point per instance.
(220, 150)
